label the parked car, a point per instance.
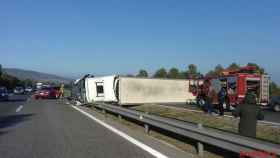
(28, 89)
(42, 93)
(56, 92)
(47, 93)
(275, 103)
(4, 93)
(19, 90)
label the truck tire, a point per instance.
(200, 102)
(276, 107)
(228, 107)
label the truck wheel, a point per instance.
(228, 107)
(224, 105)
(276, 108)
(200, 102)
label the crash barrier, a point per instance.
(203, 135)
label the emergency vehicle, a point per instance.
(237, 83)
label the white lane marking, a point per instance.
(19, 108)
(125, 136)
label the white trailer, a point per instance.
(130, 90)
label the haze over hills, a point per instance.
(34, 75)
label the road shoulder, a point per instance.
(163, 147)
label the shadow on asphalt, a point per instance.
(12, 120)
(3, 132)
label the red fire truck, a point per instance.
(238, 83)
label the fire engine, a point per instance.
(237, 83)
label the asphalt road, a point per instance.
(271, 116)
(47, 129)
(9, 107)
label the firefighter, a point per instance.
(61, 91)
(249, 113)
(222, 99)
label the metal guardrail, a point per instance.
(224, 140)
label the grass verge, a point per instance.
(266, 132)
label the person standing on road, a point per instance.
(209, 100)
(249, 113)
(222, 99)
(61, 91)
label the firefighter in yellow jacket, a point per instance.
(61, 91)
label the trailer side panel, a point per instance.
(141, 91)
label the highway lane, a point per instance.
(271, 116)
(45, 129)
(9, 107)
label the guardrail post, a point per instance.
(147, 128)
(104, 112)
(120, 117)
(200, 148)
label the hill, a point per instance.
(34, 75)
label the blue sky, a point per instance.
(71, 38)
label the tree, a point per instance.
(28, 83)
(233, 66)
(183, 75)
(211, 73)
(1, 70)
(142, 73)
(9, 81)
(161, 73)
(192, 71)
(216, 72)
(219, 69)
(259, 69)
(173, 73)
(274, 89)
(129, 75)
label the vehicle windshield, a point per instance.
(46, 88)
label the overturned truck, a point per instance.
(131, 91)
